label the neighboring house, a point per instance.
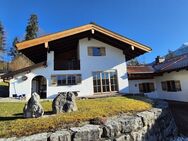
(88, 60)
(141, 80)
(166, 79)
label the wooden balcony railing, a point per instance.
(68, 65)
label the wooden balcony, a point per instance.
(68, 65)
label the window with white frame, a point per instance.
(63, 80)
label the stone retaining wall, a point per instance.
(156, 124)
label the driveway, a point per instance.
(180, 113)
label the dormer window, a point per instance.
(96, 51)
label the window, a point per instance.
(146, 87)
(171, 86)
(62, 80)
(96, 51)
(105, 81)
(71, 79)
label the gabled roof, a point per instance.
(88, 27)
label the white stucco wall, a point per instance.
(134, 87)
(114, 59)
(177, 96)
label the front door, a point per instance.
(105, 82)
(39, 86)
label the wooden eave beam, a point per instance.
(51, 37)
(121, 38)
(70, 32)
(46, 45)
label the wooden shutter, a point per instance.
(54, 80)
(151, 87)
(141, 88)
(177, 85)
(164, 86)
(78, 78)
(102, 51)
(90, 51)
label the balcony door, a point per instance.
(105, 82)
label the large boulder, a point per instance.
(64, 102)
(33, 108)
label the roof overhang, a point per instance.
(73, 31)
(139, 76)
(90, 31)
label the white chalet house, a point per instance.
(89, 60)
(166, 79)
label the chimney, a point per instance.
(159, 60)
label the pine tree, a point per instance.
(13, 50)
(133, 62)
(2, 38)
(32, 27)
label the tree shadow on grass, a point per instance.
(20, 116)
(48, 113)
(14, 117)
(10, 118)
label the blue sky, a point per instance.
(160, 24)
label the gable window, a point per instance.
(63, 80)
(171, 86)
(96, 51)
(146, 87)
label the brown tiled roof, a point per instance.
(176, 63)
(140, 69)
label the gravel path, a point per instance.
(8, 99)
(180, 113)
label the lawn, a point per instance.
(12, 123)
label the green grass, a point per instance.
(12, 123)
